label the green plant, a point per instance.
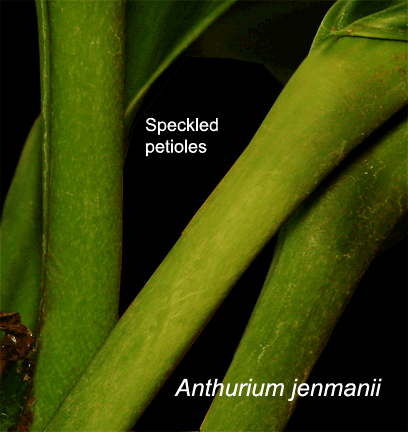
(81, 194)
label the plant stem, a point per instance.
(321, 254)
(326, 109)
(82, 71)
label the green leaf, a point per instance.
(321, 254)
(21, 235)
(371, 19)
(157, 33)
(277, 34)
(331, 101)
(21, 238)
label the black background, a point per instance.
(162, 193)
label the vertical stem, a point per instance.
(82, 65)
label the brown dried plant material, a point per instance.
(25, 421)
(16, 344)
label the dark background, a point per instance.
(162, 193)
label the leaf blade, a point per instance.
(150, 51)
(21, 234)
(380, 20)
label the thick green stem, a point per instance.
(21, 225)
(82, 59)
(337, 97)
(321, 254)
(21, 219)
